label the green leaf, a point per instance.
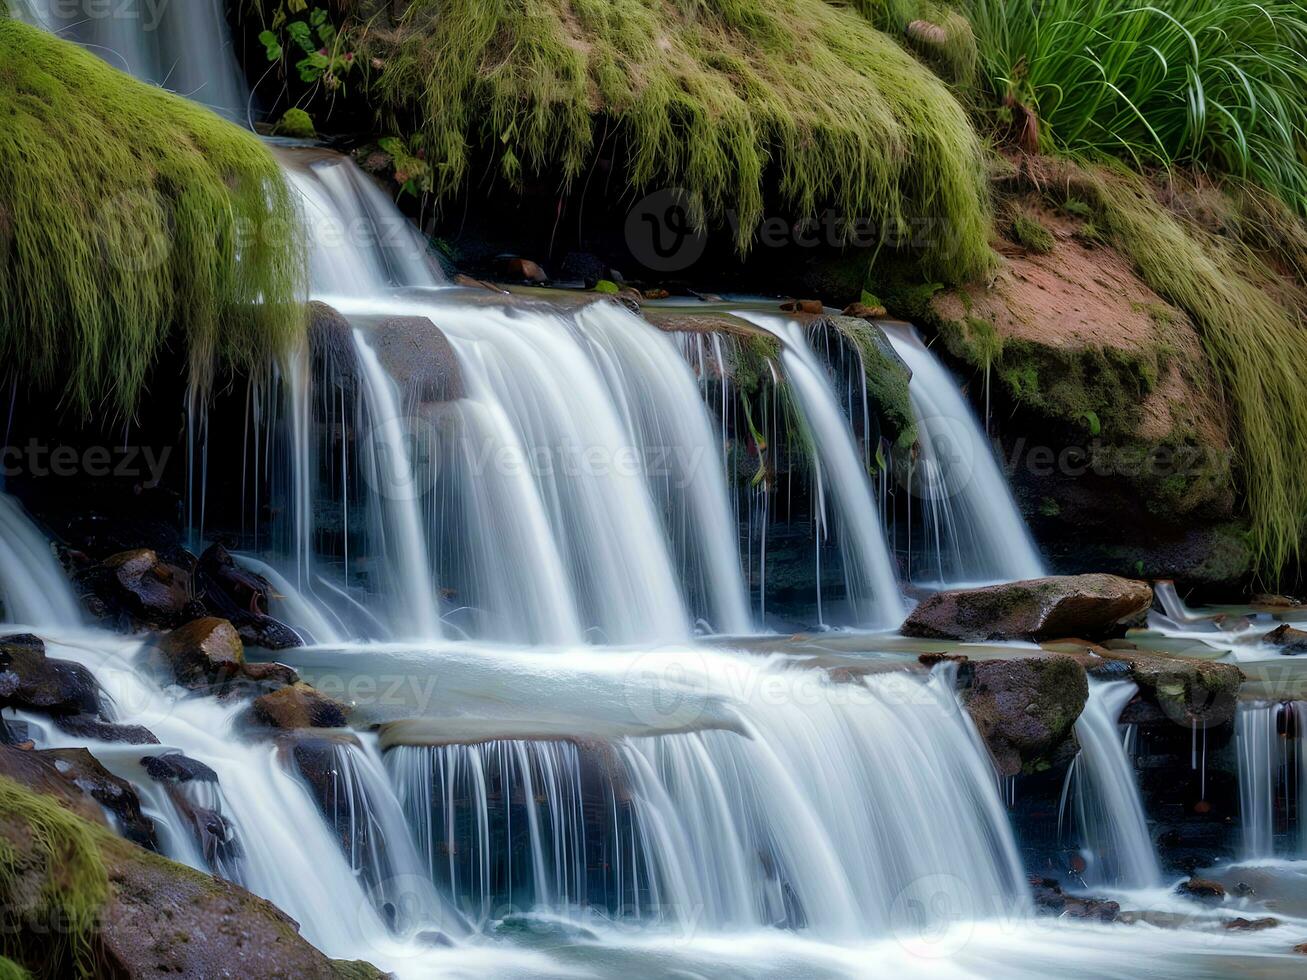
(271, 45)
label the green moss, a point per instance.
(132, 219)
(1028, 232)
(59, 879)
(887, 379)
(719, 97)
(9, 970)
(297, 124)
(607, 286)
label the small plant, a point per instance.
(313, 40)
(1030, 233)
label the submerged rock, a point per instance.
(298, 706)
(93, 728)
(1091, 606)
(31, 681)
(1290, 641)
(1026, 708)
(1202, 888)
(1049, 897)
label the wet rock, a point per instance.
(38, 773)
(96, 729)
(813, 306)
(298, 706)
(331, 347)
(116, 795)
(1025, 709)
(174, 767)
(420, 358)
(1251, 925)
(1190, 693)
(864, 312)
(31, 681)
(1202, 889)
(156, 918)
(1091, 606)
(1290, 641)
(1265, 600)
(1301, 949)
(150, 590)
(241, 597)
(1049, 897)
(203, 653)
(519, 269)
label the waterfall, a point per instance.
(1272, 766)
(840, 475)
(1102, 791)
(972, 530)
(732, 829)
(182, 46)
(33, 589)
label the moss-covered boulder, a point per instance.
(77, 900)
(1091, 606)
(132, 219)
(1190, 693)
(1025, 709)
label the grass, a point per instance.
(133, 222)
(73, 883)
(1214, 85)
(1029, 232)
(719, 97)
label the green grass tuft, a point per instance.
(132, 221)
(1029, 232)
(720, 97)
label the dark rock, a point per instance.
(150, 590)
(1049, 897)
(331, 348)
(1025, 708)
(1290, 641)
(203, 653)
(1251, 925)
(298, 706)
(116, 795)
(519, 269)
(34, 682)
(1090, 606)
(92, 728)
(14, 732)
(419, 356)
(173, 767)
(241, 597)
(1202, 888)
(272, 675)
(37, 772)
(586, 268)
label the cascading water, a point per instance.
(1104, 797)
(842, 484)
(33, 589)
(1271, 770)
(969, 529)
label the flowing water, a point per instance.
(1271, 771)
(33, 589)
(1104, 798)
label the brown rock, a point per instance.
(298, 706)
(864, 312)
(524, 270)
(1089, 606)
(1290, 641)
(814, 306)
(1025, 709)
(1251, 925)
(1191, 693)
(656, 294)
(202, 653)
(116, 795)
(419, 356)
(1203, 889)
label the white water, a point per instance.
(970, 525)
(1272, 771)
(1104, 797)
(842, 483)
(33, 589)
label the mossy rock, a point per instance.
(296, 124)
(134, 221)
(1190, 693)
(887, 378)
(1025, 709)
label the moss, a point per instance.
(607, 286)
(9, 970)
(719, 97)
(132, 219)
(887, 379)
(297, 124)
(59, 880)
(1030, 233)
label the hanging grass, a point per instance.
(132, 221)
(1216, 84)
(720, 97)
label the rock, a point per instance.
(1191, 693)
(144, 916)
(1090, 606)
(150, 590)
(1290, 641)
(864, 312)
(240, 596)
(1049, 897)
(203, 653)
(1202, 888)
(1301, 949)
(522, 270)
(1025, 709)
(116, 795)
(655, 293)
(173, 767)
(274, 675)
(295, 124)
(31, 681)
(298, 706)
(420, 358)
(814, 306)
(92, 728)
(37, 772)
(585, 267)
(331, 348)
(1267, 600)
(1251, 925)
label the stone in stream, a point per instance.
(207, 655)
(1190, 693)
(1290, 641)
(1202, 889)
(241, 597)
(298, 706)
(96, 729)
(174, 767)
(1049, 897)
(116, 795)
(418, 355)
(1025, 709)
(31, 681)
(1090, 606)
(147, 588)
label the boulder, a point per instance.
(116, 795)
(1025, 709)
(813, 306)
(1049, 897)
(298, 706)
(331, 348)
(1090, 606)
(864, 312)
(1241, 924)
(174, 767)
(241, 597)
(125, 912)
(149, 589)
(418, 355)
(518, 269)
(96, 729)
(201, 654)
(1191, 693)
(1202, 889)
(31, 681)
(38, 773)
(1290, 641)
